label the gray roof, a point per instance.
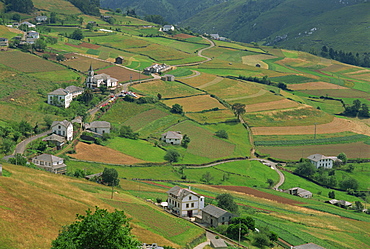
(72, 89)
(104, 77)
(308, 246)
(181, 192)
(301, 191)
(218, 243)
(215, 211)
(167, 26)
(64, 123)
(318, 157)
(99, 124)
(172, 134)
(47, 158)
(59, 91)
(54, 137)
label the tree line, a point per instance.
(346, 57)
(357, 109)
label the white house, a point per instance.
(184, 202)
(29, 25)
(172, 137)
(50, 163)
(32, 36)
(60, 97)
(63, 128)
(323, 161)
(167, 28)
(99, 127)
(41, 18)
(96, 81)
(74, 90)
(300, 192)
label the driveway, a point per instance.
(21, 147)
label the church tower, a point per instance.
(90, 78)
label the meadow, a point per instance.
(195, 103)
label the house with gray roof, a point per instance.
(4, 43)
(184, 202)
(95, 81)
(167, 28)
(172, 137)
(308, 246)
(218, 244)
(64, 97)
(99, 127)
(55, 140)
(41, 18)
(215, 216)
(63, 128)
(50, 163)
(323, 161)
(300, 192)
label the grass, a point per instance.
(211, 116)
(137, 148)
(144, 118)
(196, 103)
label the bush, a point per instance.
(222, 134)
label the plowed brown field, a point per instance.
(98, 153)
(259, 194)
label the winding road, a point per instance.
(21, 147)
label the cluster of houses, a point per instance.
(157, 68)
(95, 81)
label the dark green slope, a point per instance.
(173, 11)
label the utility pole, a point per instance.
(240, 228)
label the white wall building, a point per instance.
(50, 163)
(63, 128)
(96, 81)
(184, 202)
(60, 97)
(323, 161)
(99, 127)
(172, 137)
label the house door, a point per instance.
(190, 213)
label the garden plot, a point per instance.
(212, 116)
(196, 103)
(122, 74)
(145, 118)
(200, 80)
(315, 86)
(82, 63)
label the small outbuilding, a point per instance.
(168, 77)
(55, 140)
(215, 216)
(300, 192)
(99, 127)
(119, 60)
(172, 137)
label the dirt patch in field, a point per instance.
(336, 126)
(273, 105)
(89, 45)
(259, 194)
(183, 36)
(98, 153)
(253, 60)
(315, 86)
(123, 74)
(72, 45)
(335, 68)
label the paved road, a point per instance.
(21, 147)
(274, 167)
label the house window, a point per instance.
(187, 205)
(192, 205)
(189, 197)
(59, 127)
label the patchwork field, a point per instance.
(352, 150)
(315, 86)
(27, 63)
(337, 125)
(253, 60)
(98, 153)
(196, 103)
(212, 116)
(273, 105)
(62, 7)
(122, 74)
(337, 93)
(200, 80)
(168, 89)
(139, 121)
(82, 63)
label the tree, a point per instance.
(331, 194)
(359, 206)
(159, 96)
(222, 134)
(39, 45)
(261, 240)
(53, 17)
(60, 57)
(176, 108)
(87, 96)
(172, 156)
(127, 132)
(207, 178)
(238, 109)
(226, 201)
(185, 141)
(77, 34)
(23, 6)
(305, 169)
(343, 157)
(103, 89)
(7, 145)
(349, 183)
(100, 229)
(233, 230)
(270, 182)
(350, 168)
(110, 177)
(18, 159)
(247, 221)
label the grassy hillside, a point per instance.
(37, 204)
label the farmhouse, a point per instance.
(55, 140)
(50, 163)
(60, 97)
(172, 137)
(99, 127)
(96, 81)
(184, 202)
(41, 18)
(323, 161)
(168, 77)
(167, 28)
(28, 24)
(299, 192)
(4, 43)
(215, 216)
(63, 128)
(32, 36)
(340, 203)
(156, 68)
